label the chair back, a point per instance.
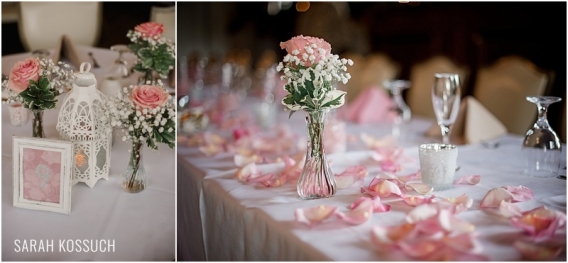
(167, 17)
(503, 87)
(368, 71)
(419, 96)
(41, 24)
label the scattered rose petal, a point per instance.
(411, 177)
(350, 176)
(210, 150)
(359, 214)
(390, 166)
(520, 193)
(314, 215)
(541, 222)
(384, 188)
(242, 159)
(509, 209)
(391, 235)
(468, 179)
(421, 212)
(378, 206)
(420, 188)
(494, 197)
(538, 251)
(461, 203)
(247, 172)
(414, 200)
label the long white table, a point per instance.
(140, 226)
(220, 218)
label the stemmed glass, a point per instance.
(541, 147)
(446, 96)
(120, 66)
(403, 113)
(40, 53)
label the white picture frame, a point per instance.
(42, 172)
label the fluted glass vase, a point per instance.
(37, 125)
(316, 180)
(134, 177)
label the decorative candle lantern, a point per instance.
(82, 121)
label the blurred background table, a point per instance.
(220, 218)
(142, 225)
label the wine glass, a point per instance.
(403, 113)
(446, 96)
(541, 147)
(119, 68)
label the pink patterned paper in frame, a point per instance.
(42, 175)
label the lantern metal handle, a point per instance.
(82, 70)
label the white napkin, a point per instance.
(474, 124)
(66, 49)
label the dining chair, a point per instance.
(503, 87)
(369, 71)
(167, 17)
(41, 24)
(419, 96)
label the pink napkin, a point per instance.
(372, 105)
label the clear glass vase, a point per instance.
(150, 78)
(37, 125)
(134, 177)
(316, 180)
(541, 147)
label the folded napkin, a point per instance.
(474, 124)
(371, 105)
(66, 49)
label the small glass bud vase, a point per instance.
(134, 177)
(150, 78)
(316, 180)
(37, 125)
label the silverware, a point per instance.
(95, 64)
(490, 145)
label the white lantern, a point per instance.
(81, 120)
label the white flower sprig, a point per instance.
(310, 76)
(153, 126)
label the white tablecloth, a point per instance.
(142, 225)
(220, 218)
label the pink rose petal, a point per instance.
(350, 176)
(415, 200)
(421, 212)
(461, 203)
(210, 150)
(520, 193)
(494, 197)
(384, 188)
(390, 235)
(468, 179)
(541, 222)
(314, 215)
(539, 251)
(411, 177)
(509, 210)
(242, 159)
(378, 206)
(359, 213)
(247, 172)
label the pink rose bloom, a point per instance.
(148, 96)
(21, 74)
(150, 29)
(299, 43)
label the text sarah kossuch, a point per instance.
(64, 245)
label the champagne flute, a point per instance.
(446, 96)
(119, 68)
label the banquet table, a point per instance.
(141, 226)
(222, 218)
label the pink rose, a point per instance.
(299, 43)
(148, 96)
(21, 74)
(150, 29)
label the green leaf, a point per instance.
(334, 102)
(291, 112)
